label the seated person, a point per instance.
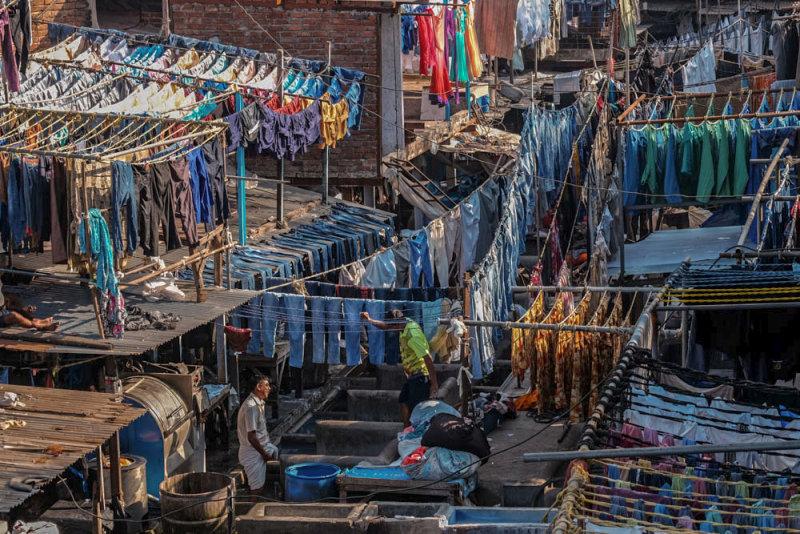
(13, 313)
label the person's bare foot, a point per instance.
(45, 324)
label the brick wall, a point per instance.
(74, 12)
(303, 29)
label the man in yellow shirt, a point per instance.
(421, 383)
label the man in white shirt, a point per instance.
(255, 448)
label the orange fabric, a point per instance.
(474, 62)
(527, 401)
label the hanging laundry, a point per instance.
(495, 23)
(700, 73)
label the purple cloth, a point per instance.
(9, 58)
(450, 39)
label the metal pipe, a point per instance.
(241, 204)
(644, 452)
(733, 306)
(581, 289)
(326, 151)
(680, 120)
(281, 162)
(760, 192)
(761, 254)
(543, 326)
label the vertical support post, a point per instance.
(281, 163)
(627, 77)
(117, 497)
(465, 344)
(221, 349)
(326, 150)
(241, 200)
(684, 338)
(99, 498)
(88, 236)
(536, 61)
(469, 101)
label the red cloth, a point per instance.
(426, 44)
(440, 89)
(238, 338)
(415, 457)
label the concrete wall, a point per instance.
(355, 438)
(303, 29)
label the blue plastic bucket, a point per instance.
(311, 482)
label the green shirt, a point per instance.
(413, 348)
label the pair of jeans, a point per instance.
(271, 305)
(200, 183)
(17, 215)
(326, 326)
(215, 169)
(420, 258)
(295, 314)
(402, 261)
(182, 198)
(470, 222)
(33, 195)
(376, 336)
(489, 218)
(352, 329)
(123, 196)
(318, 325)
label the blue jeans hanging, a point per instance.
(295, 309)
(270, 306)
(376, 336)
(352, 329)
(333, 312)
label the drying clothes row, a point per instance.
(159, 62)
(784, 42)
(709, 159)
(40, 200)
(65, 88)
(325, 289)
(719, 421)
(333, 320)
(447, 45)
(642, 497)
(490, 286)
(564, 366)
(341, 237)
(285, 129)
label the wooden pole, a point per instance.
(465, 346)
(117, 497)
(88, 237)
(101, 483)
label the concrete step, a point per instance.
(383, 404)
(393, 377)
(355, 438)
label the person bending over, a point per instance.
(421, 383)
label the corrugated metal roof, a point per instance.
(71, 304)
(74, 422)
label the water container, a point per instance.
(311, 482)
(196, 503)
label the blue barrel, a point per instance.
(311, 482)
